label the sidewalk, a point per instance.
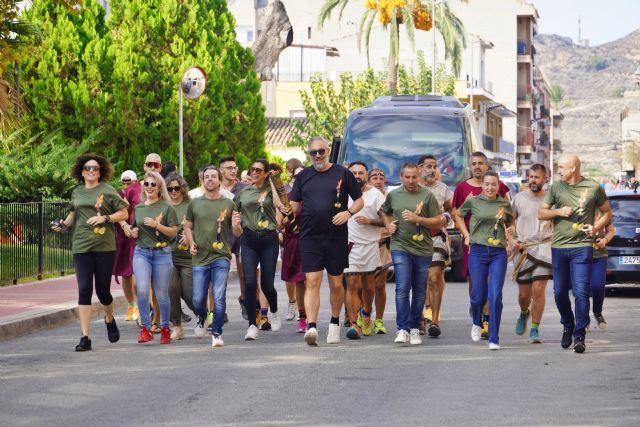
(47, 304)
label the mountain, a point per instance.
(599, 83)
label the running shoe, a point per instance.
(333, 335)
(311, 336)
(243, 309)
(276, 321)
(414, 337)
(265, 325)
(367, 326)
(84, 345)
(359, 320)
(494, 346)
(485, 330)
(216, 341)
(112, 330)
(579, 345)
(129, 316)
(534, 336)
(476, 332)
(353, 333)
(302, 325)
(165, 335)
(434, 330)
(177, 333)
(252, 333)
(378, 327)
(209, 320)
(145, 335)
(521, 323)
(136, 312)
(292, 308)
(402, 337)
(198, 329)
(602, 324)
(428, 314)
(565, 342)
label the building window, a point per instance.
(244, 33)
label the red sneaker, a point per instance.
(145, 335)
(165, 335)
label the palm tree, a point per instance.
(557, 97)
(415, 15)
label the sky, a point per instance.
(602, 21)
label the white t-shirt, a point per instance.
(363, 234)
(197, 192)
(529, 228)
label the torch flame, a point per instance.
(262, 198)
(223, 214)
(419, 207)
(500, 213)
(339, 185)
(99, 201)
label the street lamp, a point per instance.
(192, 85)
(433, 28)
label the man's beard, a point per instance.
(361, 182)
(428, 177)
(535, 187)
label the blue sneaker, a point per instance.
(534, 336)
(353, 333)
(521, 323)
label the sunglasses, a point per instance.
(150, 184)
(258, 170)
(126, 181)
(89, 168)
(154, 165)
(173, 189)
(319, 152)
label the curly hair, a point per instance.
(184, 187)
(105, 167)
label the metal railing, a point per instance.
(28, 246)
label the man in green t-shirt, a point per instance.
(410, 213)
(209, 220)
(572, 203)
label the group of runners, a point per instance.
(170, 245)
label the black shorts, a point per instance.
(320, 254)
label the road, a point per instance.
(278, 380)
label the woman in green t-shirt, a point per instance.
(490, 215)
(94, 208)
(181, 284)
(155, 224)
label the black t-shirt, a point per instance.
(321, 200)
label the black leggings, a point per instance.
(94, 264)
(259, 248)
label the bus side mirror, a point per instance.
(335, 148)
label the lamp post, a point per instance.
(433, 29)
(192, 85)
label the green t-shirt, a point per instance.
(483, 213)
(562, 194)
(87, 238)
(149, 237)
(204, 214)
(181, 256)
(402, 240)
(248, 204)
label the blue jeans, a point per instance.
(216, 273)
(411, 274)
(572, 270)
(156, 264)
(598, 278)
(259, 248)
(487, 268)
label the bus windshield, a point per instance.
(388, 141)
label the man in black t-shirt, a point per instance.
(324, 191)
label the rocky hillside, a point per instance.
(599, 83)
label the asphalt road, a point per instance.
(279, 380)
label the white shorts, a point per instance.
(363, 258)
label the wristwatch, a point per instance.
(107, 219)
(352, 213)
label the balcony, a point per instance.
(525, 51)
(525, 97)
(537, 74)
(525, 141)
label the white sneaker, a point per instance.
(476, 332)
(252, 333)
(177, 333)
(402, 337)
(216, 341)
(198, 330)
(333, 336)
(292, 310)
(311, 336)
(415, 337)
(493, 346)
(276, 321)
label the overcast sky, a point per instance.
(602, 21)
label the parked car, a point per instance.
(623, 263)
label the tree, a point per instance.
(150, 45)
(277, 36)
(415, 15)
(557, 97)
